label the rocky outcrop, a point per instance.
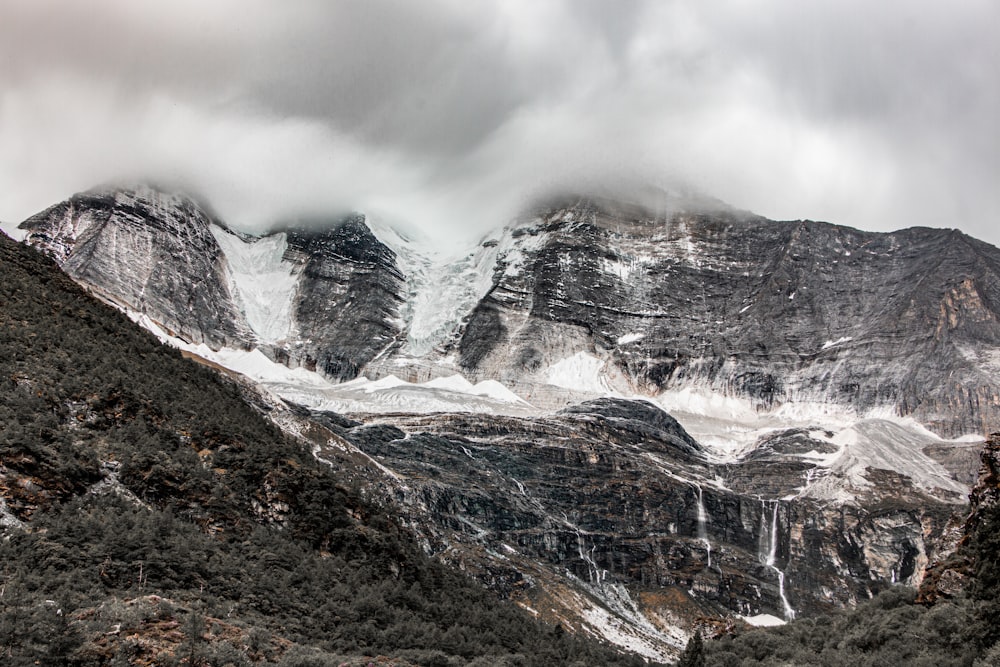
(347, 298)
(149, 251)
(612, 505)
(772, 311)
(329, 301)
(950, 573)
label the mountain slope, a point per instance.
(320, 295)
(150, 514)
(149, 251)
(773, 311)
(610, 517)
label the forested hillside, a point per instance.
(152, 517)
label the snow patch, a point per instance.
(581, 372)
(763, 620)
(623, 268)
(629, 338)
(443, 286)
(881, 444)
(831, 343)
(261, 281)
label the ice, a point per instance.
(391, 394)
(261, 281)
(388, 382)
(629, 338)
(452, 383)
(581, 372)
(443, 285)
(831, 343)
(763, 620)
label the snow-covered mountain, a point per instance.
(774, 312)
(585, 295)
(820, 377)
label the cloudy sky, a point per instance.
(449, 114)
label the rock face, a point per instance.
(637, 300)
(149, 251)
(610, 517)
(324, 298)
(347, 299)
(773, 311)
(949, 574)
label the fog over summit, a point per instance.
(451, 116)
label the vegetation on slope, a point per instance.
(152, 517)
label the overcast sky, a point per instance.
(448, 114)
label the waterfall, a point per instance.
(702, 520)
(772, 555)
(593, 572)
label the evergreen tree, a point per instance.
(694, 653)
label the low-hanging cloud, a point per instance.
(449, 116)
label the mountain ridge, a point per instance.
(584, 301)
(694, 295)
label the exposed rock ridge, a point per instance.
(949, 574)
(149, 251)
(347, 298)
(773, 311)
(619, 496)
(158, 254)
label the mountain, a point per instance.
(147, 250)
(624, 419)
(777, 312)
(952, 622)
(609, 517)
(324, 299)
(640, 301)
(150, 515)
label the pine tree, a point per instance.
(694, 653)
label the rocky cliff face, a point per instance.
(611, 518)
(347, 298)
(950, 573)
(325, 298)
(608, 516)
(773, 311)
(149, 251)
(639, 301)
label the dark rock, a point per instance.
(773, 311)
(610, 491)
(347, 301)
(149, 251)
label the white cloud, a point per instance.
(449, 115)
